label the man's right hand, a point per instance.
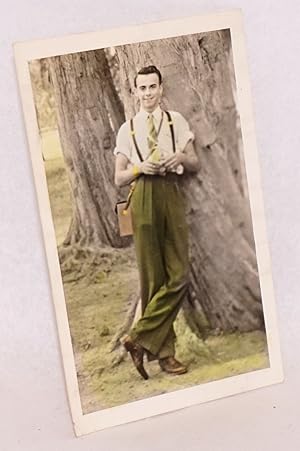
(150, 167)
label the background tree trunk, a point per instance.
(43, 94)
(198, 83)
(84, 91)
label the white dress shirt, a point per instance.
(125, 144)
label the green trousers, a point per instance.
(161, 242)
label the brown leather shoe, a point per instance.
(137, 354)
(172, 366)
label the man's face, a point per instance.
(148, 90)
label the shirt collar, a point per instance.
(156, 113)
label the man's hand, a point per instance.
(172, 162)
(187, 157)
(150, 167)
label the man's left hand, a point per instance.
(171, 163)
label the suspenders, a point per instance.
(132, 132)
(126, 203)
(170, 122)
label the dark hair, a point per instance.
(148, 70)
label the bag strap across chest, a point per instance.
(132, 132)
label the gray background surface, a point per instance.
(34, 407)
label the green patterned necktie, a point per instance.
(152, 139)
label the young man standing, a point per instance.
(153, 150)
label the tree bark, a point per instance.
(43, 94)
(83, 91)
(197, 80)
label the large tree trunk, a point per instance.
(43, 94)
(198, 83)
(83, 91)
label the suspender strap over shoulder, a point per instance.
(170, 122)
(132, 132)
(134, 140)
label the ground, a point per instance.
(97, 304)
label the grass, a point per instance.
(97, 306)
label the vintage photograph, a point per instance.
(143, 154)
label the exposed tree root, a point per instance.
(118, 357)
(195, 317)
(129, 319)
(77, 262)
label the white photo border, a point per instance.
(28, 51)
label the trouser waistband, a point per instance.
(170, 177)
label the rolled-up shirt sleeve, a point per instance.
(184, 133)
(122, 142)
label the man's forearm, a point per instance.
(126, 176)
(190, 160)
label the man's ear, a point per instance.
(136, 97)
